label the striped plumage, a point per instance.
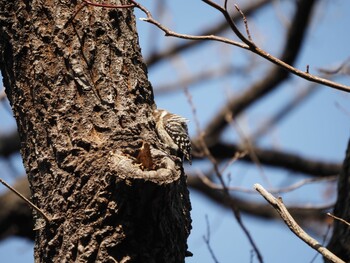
(172, 130)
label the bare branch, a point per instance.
(277, 158)
(206, 239)
(206, 180)
(304, 214)
(287, 108)
(233, 206)
(16, 217)
(171, 33)
(203, 76)
(342, 67)
(232, 23)
(278, 205)
(214, 30)
(339, 219)
(273, 78)
(323, 242)
(305, 7)
(245, 22)
(296, 35)
(26, 200)
(247, 145)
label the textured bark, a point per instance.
(83, 105)
(340, 240)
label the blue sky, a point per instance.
(319, 128)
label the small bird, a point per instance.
(173, 132)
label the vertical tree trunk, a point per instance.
(340, 241)
(79, 91)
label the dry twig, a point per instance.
(235, 210)
(245, 22)
(206, 239)
(279, 159)
(26, 200)
(278, 205)
(245, 44)
(220, 27)
(339, 219)
(206, 180)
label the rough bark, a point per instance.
(340, 240)
(83, 105)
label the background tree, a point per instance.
(245, 104)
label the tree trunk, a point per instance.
(79, 91)
(340, 240)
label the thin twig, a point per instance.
(234, 208)
(271, 80)
(193, 109)
(255, 49)
(169, 32)
(202, 77)
(342, 109)
(245, 22)
(247, 44)
(220, 27)
(206, 180)
(248, 145)
(323, 242)
(238, 155)
(230, 21)
(26, 200)
(271, 122)
(278, 158)
(278, 205)
(206, 239)
(339, 219)
(336, 70)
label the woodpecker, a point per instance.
(172, 130)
